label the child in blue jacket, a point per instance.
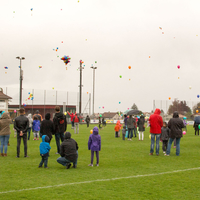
(44, 150)
(36, 128)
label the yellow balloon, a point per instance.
(91, 131)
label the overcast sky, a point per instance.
(116, 34)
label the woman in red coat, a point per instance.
(156, 123)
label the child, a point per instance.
(44, 150)
(117, 127)
(124, 132)
(94, 144)
(141, 126)
(36, 128)
(164, 136)
(100, 123)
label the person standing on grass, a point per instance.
(21, 124)
(37, 114)
(117, 127)
(124, 132)
(196, 124)
(72, 117)
(5, 122)
(94, 144)
(46, 127)
(130, 125)
(76, 121)
(175, 125)
(69, 152)
(36, 128)
(44, 151)
(141, 126)
(87, 120)
(30, 124)
(60, 126)
(164, 136)
(156, 123)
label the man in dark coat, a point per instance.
(46, 127)
(87, 120)
(196, 124)
(21, 125)
(60, 126)
(175, 125)
(69, 152)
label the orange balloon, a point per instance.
(197, 111)
(169, 98)
(149, 56)
(91, 131)
(129, 67)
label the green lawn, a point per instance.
(118, 158)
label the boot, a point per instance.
(5, 154)
(2, 154)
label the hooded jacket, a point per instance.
(197, 120)
(60, 123)
(156, 122)
(69, 148)
(117, 127)
(94, 142)
(87, 119)
(124, 130)
(5, 122)
(175, 125)
(46, 127)
(30, 120)
(72, 116)
(164, 133)
(130, 122)
(36, 125)
(21, 124)
(44, 146)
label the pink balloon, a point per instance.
(184, 132)
(15, 111)
(178, 66)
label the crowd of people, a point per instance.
(68, 147)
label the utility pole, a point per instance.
(93, 88)
(80, 89)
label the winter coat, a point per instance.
(130, 122)
(87, 119)
(76, 119)
(197, 120)
(124, 130)
(175, 125)
(44, 146)
(94, 142)
(5, 122)
(156, 122)
(69, 148)
(46, 127)
(117, 127)
(125, 120)
(164, 133)
(60, 123)
(21, 124)
(30, 120)
(72, 116)
(36, 125)
(140, 123)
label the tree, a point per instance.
(134, 107)
(179, 106)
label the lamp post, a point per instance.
(80, 91)
(93, 88)
(20, 83)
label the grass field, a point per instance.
(117, 177)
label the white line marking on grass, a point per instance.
(100, 180)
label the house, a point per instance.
(4, 101)
(111, 116)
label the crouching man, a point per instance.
(68, 152)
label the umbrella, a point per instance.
(125, 112)
(133, 112)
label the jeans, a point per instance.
(19, 142)
(157, 143)
(63, 161)
(59, 136)
(135, 130)
(72, 123)
(177, 146)
(29, 132)
(44, 160)
(76, 126)
(130, 130)
(4, 142)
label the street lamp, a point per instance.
(20, 83)
(80, 89)
(93, 87)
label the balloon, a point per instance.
(178, 77)
(149, 56)
(197, 96)
(40, 67)
(66, 59)
(31, 9)
(95, 61)
(129, 67)
(169, 98)
(197, 111)
(100, 115)
(190, 87)
(53, 88)
(150, 136)
(184, 117)
(199, 126)
(87, 92)
(62, 42)
(184, 132)
(129, 79)
(178, 66)
(91, 131)
(15, 111)
(65, 113)
(162, 32)
(66, 68)
(120, 76)
(119, 102)
(83, 120)
(5, 67)
(103, 107)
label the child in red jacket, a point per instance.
(117, 127)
